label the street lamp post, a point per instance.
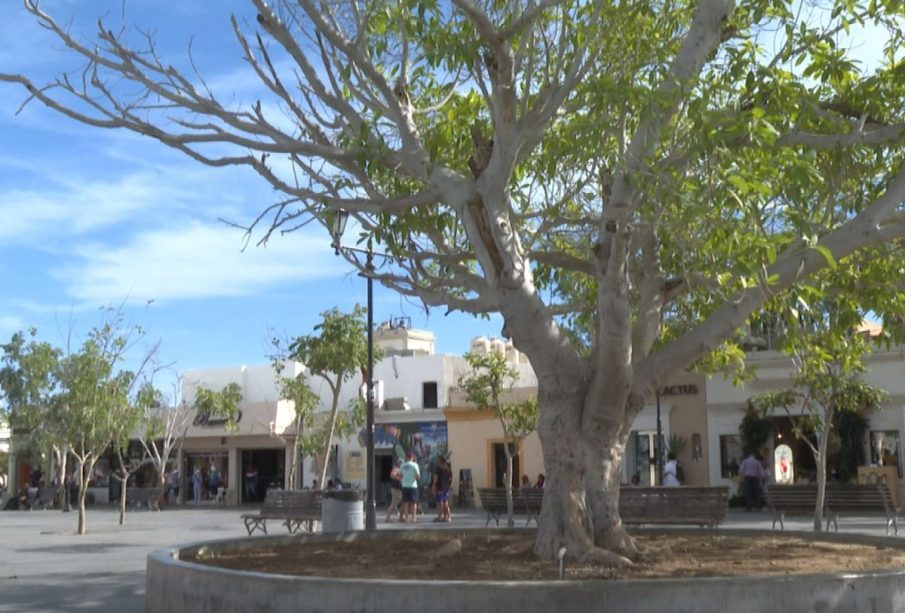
(659, 447)
(339, 226)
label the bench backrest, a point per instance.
(308, 501)
(47, 494)
(142, 494)
(493, 498)
(859, 497)
(787, 497)
(673, 503)
(839, 497)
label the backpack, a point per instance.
(680, 472)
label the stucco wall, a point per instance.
(471, 434)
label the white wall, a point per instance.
(258, 382)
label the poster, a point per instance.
(783, 467)
(426, 440)
(355, 466)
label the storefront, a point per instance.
(263, 438)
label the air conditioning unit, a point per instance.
(396, 404)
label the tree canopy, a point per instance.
(334, 354)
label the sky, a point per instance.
(93, 218)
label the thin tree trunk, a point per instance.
(510, 510)
(64, 484)
(293, 467)
(83, 491)
(122, 500)
(820, 461)
(328, 443)
(162, 485)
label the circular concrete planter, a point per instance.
(174, 585)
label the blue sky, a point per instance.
(92, 218)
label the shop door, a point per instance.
(499, 465)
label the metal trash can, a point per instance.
(343, 511)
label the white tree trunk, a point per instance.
(84, 473)
(510, 510)
(328, 442)
(64, 481)
(294, 467)
(820, 461)
(122, 500)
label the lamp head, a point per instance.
(339, 226)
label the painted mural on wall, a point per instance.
(425, 439)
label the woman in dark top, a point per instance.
(440, 487)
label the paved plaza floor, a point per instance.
(45, 566)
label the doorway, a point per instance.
(498, 453)
(641, 458)
(383, 461)
(270, 464)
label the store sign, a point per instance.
(679, 390)
(211, 421)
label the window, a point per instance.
(429, 395)
(884, 448)
(730, 455)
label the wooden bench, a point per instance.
(801, 499)
(143, 496)
(524, 502)
(860, 498)
(797, 499)
(294, 508)
(704, 506)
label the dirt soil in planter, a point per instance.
(507, 556)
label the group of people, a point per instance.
(404, 494)
(539, 484)
(212, 482)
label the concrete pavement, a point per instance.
(44, 566)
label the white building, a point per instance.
(412, 391)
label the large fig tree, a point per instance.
(624, 182)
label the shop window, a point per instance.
(429, 395)
(884, 448)
(730, 455)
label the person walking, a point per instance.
(251, 483)
(753, 472)
(411, 474)
(671, 471)
(440, 488)
(197, 481)
(395, 494)
(172, 486)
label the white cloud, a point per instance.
(76, 207)
(195, 261)
(10, 324)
